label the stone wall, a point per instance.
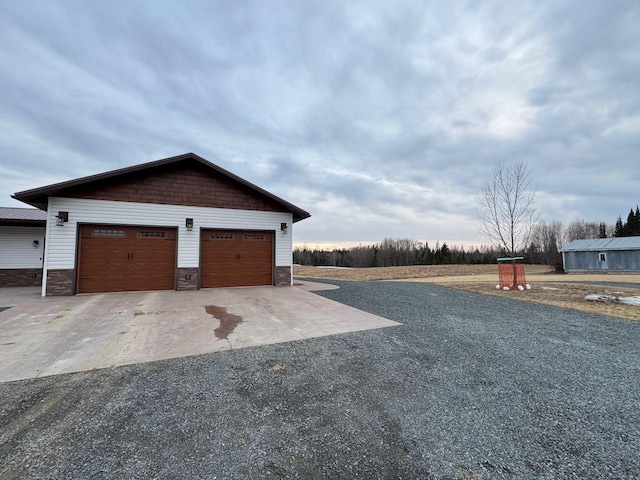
(188, 278)
(60, 282)
(283, 276)
(20, 277)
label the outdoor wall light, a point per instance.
(189, 224)
(283, 227)
(62, 218)
(36, 243)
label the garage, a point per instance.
(22, 233)
(125, 258)
(236, 258)
(179, 223)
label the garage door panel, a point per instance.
(236, 258)
(125, 258)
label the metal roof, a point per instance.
(22, 216)
(38, 197)
(603, 244)
(12, 213)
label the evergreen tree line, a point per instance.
(395, 253)
(630, 228)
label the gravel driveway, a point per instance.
(471, 387)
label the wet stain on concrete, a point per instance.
(228, 321)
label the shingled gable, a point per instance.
(186, 179)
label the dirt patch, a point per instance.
(548, 288)
(228, 321)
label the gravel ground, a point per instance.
(470, 387)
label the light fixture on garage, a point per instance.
(283, 227)
(36, 243)
(62, 218)
(189, 224)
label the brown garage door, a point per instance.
(121, 258)
(236, 258)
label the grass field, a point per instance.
(549, 288)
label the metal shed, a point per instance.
(610, 254)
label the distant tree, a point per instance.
(545, 241)
(633, 223)
(424, 254)
(619, 228)
(579, 230)
(629, 228)
(507, 209)
(603, 230)
(362, 256)
(445, 253)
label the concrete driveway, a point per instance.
(54, 335)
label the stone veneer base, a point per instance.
(60, 282)
(283, 276)
(188, 278)
(20, 277)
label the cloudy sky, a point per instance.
(380, 118)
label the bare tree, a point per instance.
(581, 230)
(507, 210)
(547, 238)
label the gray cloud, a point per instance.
(380, 118)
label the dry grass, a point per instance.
(547, 288)
(396, 273)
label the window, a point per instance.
(603, 257)
(254, 236)
(108, 233)
(152, 234)
(221, 236)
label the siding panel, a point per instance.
(616, 260)
(16, 247)
(61, 249)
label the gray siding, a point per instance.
(616, 260)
